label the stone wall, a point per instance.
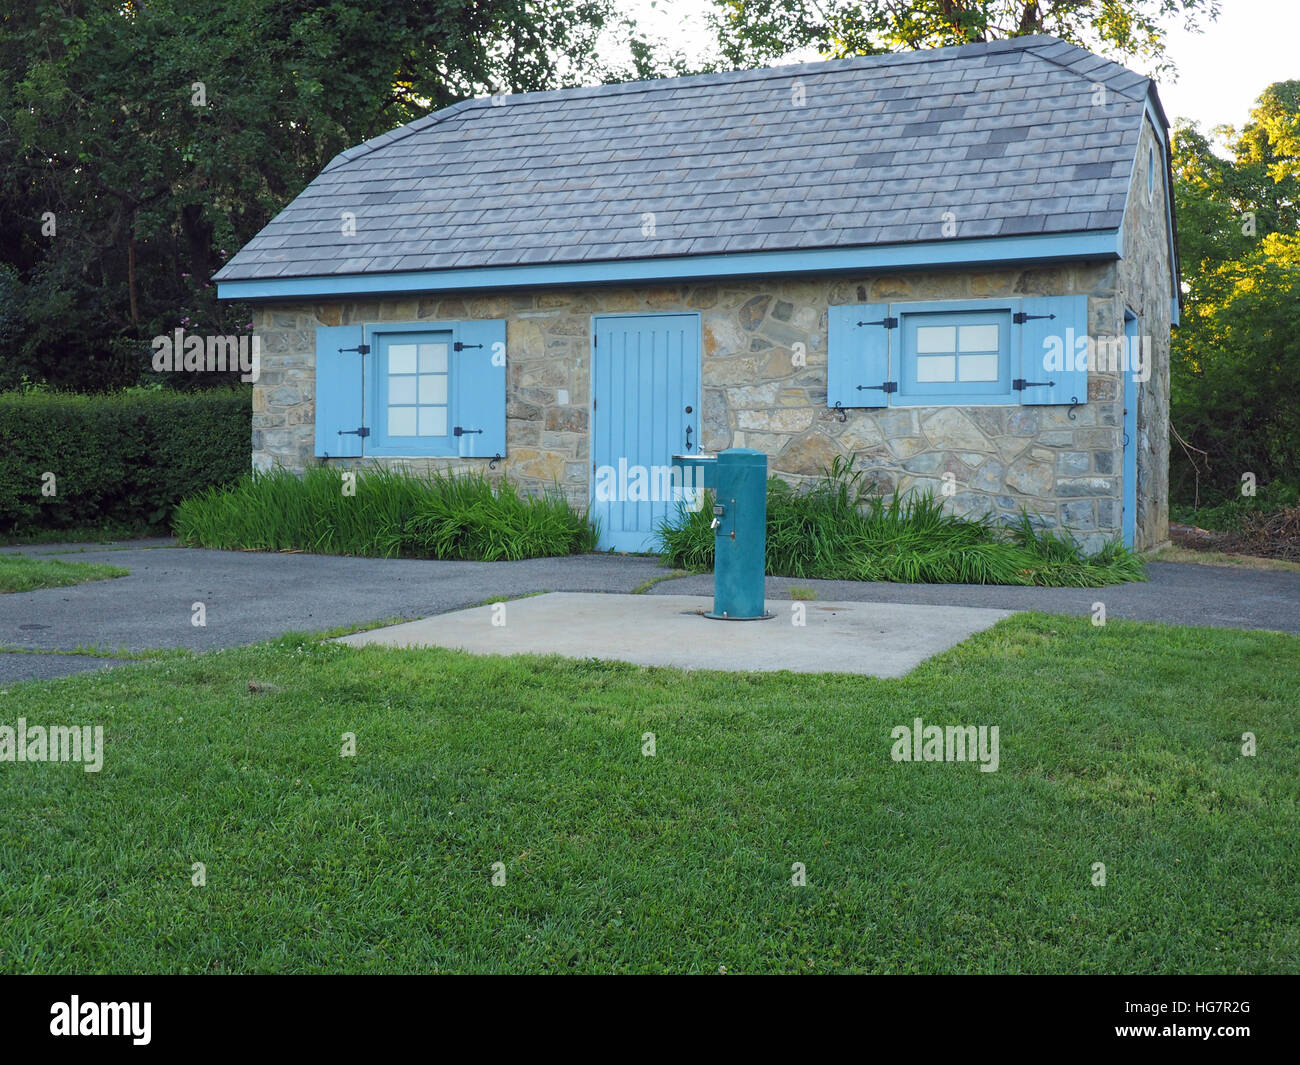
(1144, 284)
(756, 393)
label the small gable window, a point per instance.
(1151, 172)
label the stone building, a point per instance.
(954, 268)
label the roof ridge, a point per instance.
(398, 133)
(1117, 69)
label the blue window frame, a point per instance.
(414, 401)
(948, 356)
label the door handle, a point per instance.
(688, 438)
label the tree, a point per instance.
(1236, 355)
(754, 32)
(146, 140)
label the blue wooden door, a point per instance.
(1129, 498)
(645, 408)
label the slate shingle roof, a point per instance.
(1005, 135)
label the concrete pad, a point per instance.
(879, 639)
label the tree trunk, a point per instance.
(130, 279)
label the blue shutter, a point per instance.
(339, 406)
(857, 355)
(1039, 336)
(479, 378)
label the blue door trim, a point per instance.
(1129, 520)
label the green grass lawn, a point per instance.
(1119, 745)
(19, 573)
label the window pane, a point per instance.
(433, 388)
(979, 338)
(942, 338)
(401, 358)
(401, 389)
(433, 358)
(979, 367)
(931, 368)
(401, 421)
(433, 421)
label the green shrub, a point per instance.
(392, 514)
(121, 460)
(836, 530)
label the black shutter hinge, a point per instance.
(887, 387)
(1020, 384)
(363, 432)
(888, 323)
(458, 346)
(458, 430)
(360, 349)
(1020, 317)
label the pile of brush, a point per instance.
(1271, 535)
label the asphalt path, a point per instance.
(248, 597)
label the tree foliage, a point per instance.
(1236, 355)
(752, 32)
(146, 140)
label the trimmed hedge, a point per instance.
(118, 460)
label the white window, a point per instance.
(946, 355)
(416, 380)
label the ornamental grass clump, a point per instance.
(836, 529)
(386, 514)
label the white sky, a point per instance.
(1252, 44)
(1220, 72)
